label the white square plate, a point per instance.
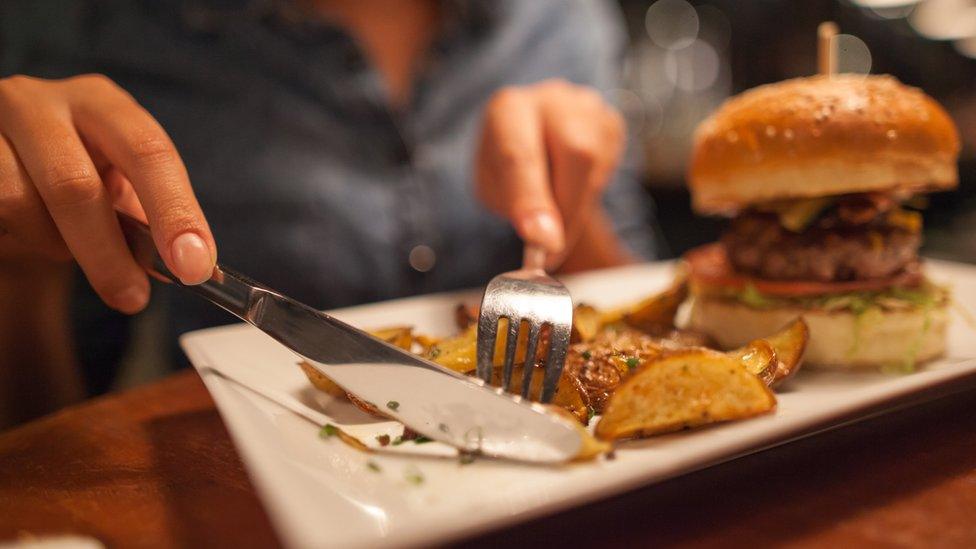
(320, 492)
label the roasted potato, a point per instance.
(366, 406)
(590, 447)
(567, 395)
(681, 390)
(789, 343)
(465, 316)
(458, 353)
(324, 383)
(759, 358)
(401, 336)
(321, 381)
(587, 323)
(653, 313)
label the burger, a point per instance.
(822, 178)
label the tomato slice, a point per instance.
(709, 265)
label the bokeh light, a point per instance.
(694, 68)
(944, 19)
(853, 55)
(671, 24)
(966, 46)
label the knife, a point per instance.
(432, 400)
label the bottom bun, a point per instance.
(839, 340)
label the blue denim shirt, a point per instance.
(311, 182)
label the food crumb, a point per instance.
(383, 440)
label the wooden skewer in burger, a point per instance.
(816, 173)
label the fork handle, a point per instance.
(534, 258)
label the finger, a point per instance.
(23, 217)
(584, 148)
(66, 180)
(138, 146)
(512, 169)
(584, 140)
(123, 196)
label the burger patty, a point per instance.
(757, 244)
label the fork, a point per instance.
(527, 295)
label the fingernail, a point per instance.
(131, 299)
(192, 259)
(545, 230)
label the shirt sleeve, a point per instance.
(602, 38)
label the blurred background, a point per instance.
(686, 57)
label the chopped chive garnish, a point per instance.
(414, 476)
(632, 362)
(372, 465)
(398, 441)
(586, 355)
(590, 413)
(328, 430)
(421, 439)
(393, 405)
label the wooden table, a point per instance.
(155, 467)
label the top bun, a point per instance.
(821, 136)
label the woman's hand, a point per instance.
(547, 152)
(71, 151)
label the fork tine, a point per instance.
(529, 363)
(556, 359)
(487, 330)
(511, 342)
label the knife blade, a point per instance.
(432, 400)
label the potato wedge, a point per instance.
(654, 312)
(459, 353)
(790, 343)
(759, 358)
(324, 383)
(465, 315)
(681, 390)
(591, 447)
(568, 396)
(366, 406)
(456, 353)
(321, 381)
(587, 323)
(401, 336)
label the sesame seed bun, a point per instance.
(821, 136)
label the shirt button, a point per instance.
(422, 258)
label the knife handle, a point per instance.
(225, 288)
